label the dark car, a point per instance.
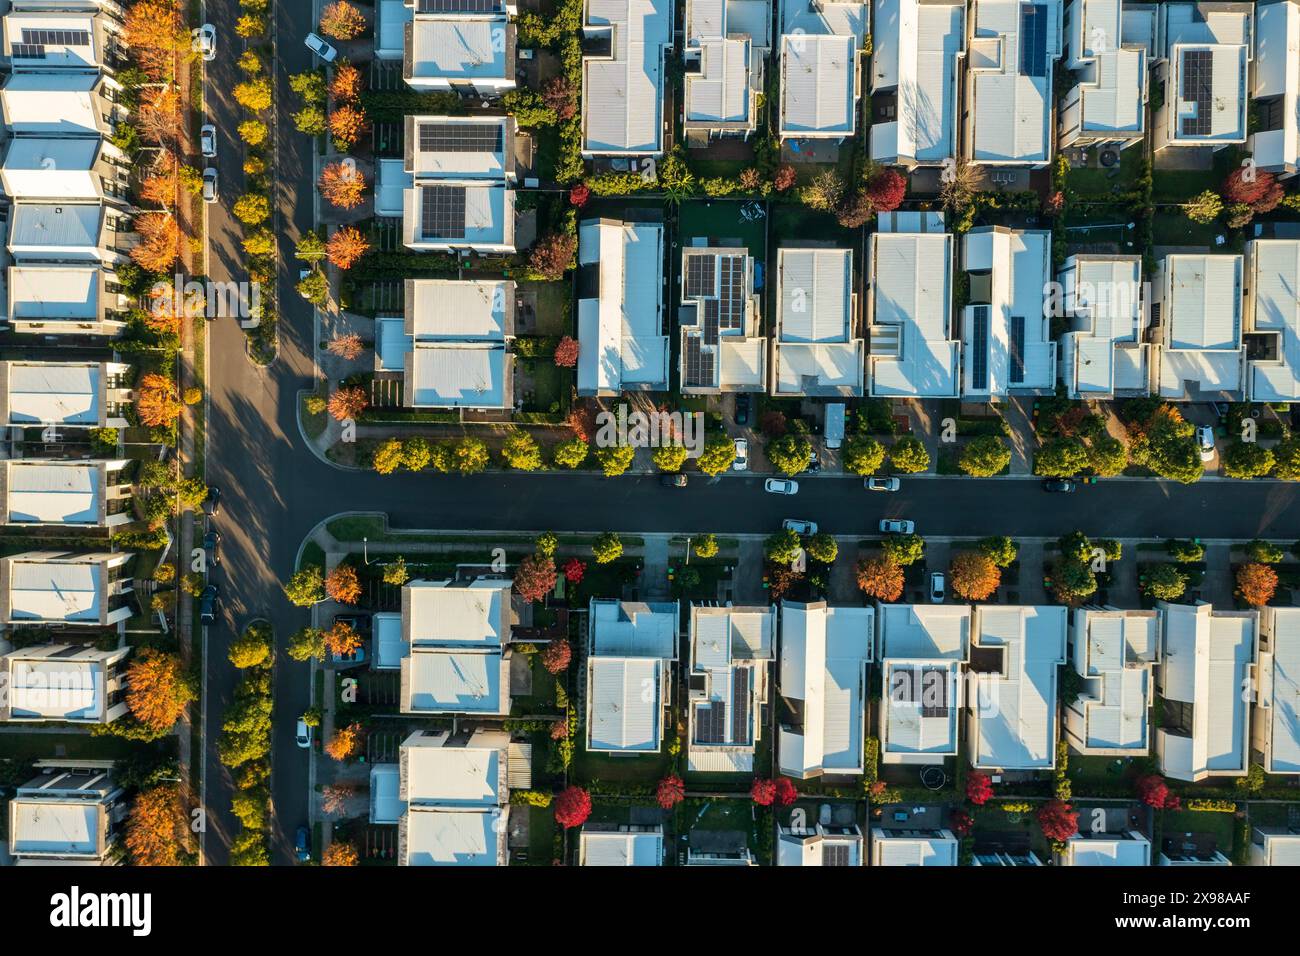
(208, 604)
(743, 403)
(212, 546)
(673, 481)
(302, 845)
(212, 503)
(358, 622)
(814, 463)
(1059, 485)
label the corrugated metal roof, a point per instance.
(1284, 722)
(625, 707)
(47, 392)
(459, 47)
(640, 848)
(1275, 281)
(42, 293)
(53, 492)
(891, 850)
(54, 591)
(1107, 851)
(911, 288)
(622, 101)
(818, 85)
(452, 838)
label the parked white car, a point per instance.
(781, 486)
(302, 737)
(204, 41)
(208, 140)
(882, 484)
(1205, 442)
(937, 587)
(210, 184)
(321, 48)
(897, 526)
(742, 455)
(799, 526)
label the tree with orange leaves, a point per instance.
(342, 21)
(881, 577)
(345, 743)
(347, 83)
(974, 575)
(347, 123)
(157, 690)
(160, 241)
(156, 834)
(156, 400)
(161, 316)
(342, 585)
(346, 246)
(339, 854)
(155, 34)
(1256, 583)
(341, 640)
(341, 185)
(159, 115)
(348, 346)
(160, 182)
(348, 402)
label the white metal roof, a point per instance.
(910, 728)
(632, 629)
(42, 228)
(460, 374)
(1277, 73)
(840, 17)
(923, 631)
(386, 804)
(453, 776)
(53, 492)
(791, 850)
(442, 681)
(914, 848)
(621, 848)
(58, 50)
(720, 92)
(623, 97)
(50, 393)
(1117, 649)
(460, 163)
(1014, 712)
(438, 837)
(1104, 295)
(625, 708)
(816, 294)
(49, 168)
(1011, 111)
(391, 183)
(55, 688)
(54, 590)
(1202, 317)
(818, 85)
(1283, 683)
(1281, 849)
(64, 827)
(1274, 282)
(442, 614)
(51, 103)
(459, 47)
(1131, 849)
(41, 293)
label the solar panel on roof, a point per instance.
(28, 51)
(699, 276)
(442, 212)
(460, 6)
(1033, 39)
(709, 723)
(1017, 349)
(934, 692)
(731, 292)
(1198, 87)
(835, 854)
(460, 138)
(710, 321)
(979, 362)
(42, 37)
(740, 706)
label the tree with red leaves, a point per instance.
(784, 178)
(786, 792)
(979, 788)
(961, 823)
(535, 577)
(566, 352)
(886, 190)
(1058, 820)
(1154, 792)
(558, 94)
(574, 569)
(572, 807)
(556, 657)
(1259, 190)
(579, 195)
(772, 424)
(553, 255)
(671, 791)
(763, 792)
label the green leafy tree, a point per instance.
(307, 644)
(1205, 208)
(904, 549)
(417, 454)
(606, 548)
(396, 573)
(1172, 450)
(470, 456)
(546, 544)
(252, 209)
(1107, 456)
(252, 648)
(388, 456)
(1076, 545)
(1264, 552)
(615, 460)
(1247, 460)
(822, 547)
(254, 94)
(706, 546)
(669, 458)
(999, 549)
(719, 454)
(522, 452)
(985, 456)
(311, 248)
(311, 120)
(306, 587)
(1073, 580)
(790, 452)
(571, 453)
(1061, 458)
(1166, 583)
(783, 547)
(1286, 458)
(863, 455)
(1185, 552)
(909, 456)
(315, 288)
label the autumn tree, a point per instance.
(160, 241)
(566, 352)
(340, 854)
(254, 94)
(347, 346)
(881, 577)
(345, 743)
(250, 649)
(1252, 187)
(553, 255)
(784, 178)
(155, 33)
(347, 84)
(342, 185)
(156, 400)
(342, 585)
(534, 577)
(346, 246)
(974, 575)
(670, 791)
(342, 21)
(559, 96)
(786, 792)
(334, 798)
(574, 569)
(155, 830)
(886, 190)
(572, 807)
(1059, 821)
(1154, 792)
(348, 402)
(157, 689)
(1256, 583)
(763, 792)
(341, 640)
(556, 656)
(979, 788)
(347, 123)
(307, 644)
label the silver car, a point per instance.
(204, 41)
(208, 140)
(882, 484)
(897, 526)
(210, 184)
(781, 486)
(320, 48)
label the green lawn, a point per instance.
(646, 769)
(989, 823)
(1098, 184)
(78, 746)
(720, 219)
(1171, 229)
(554, 306)
(1221, 825)
(541, 835)
(550, 384)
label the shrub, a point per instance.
(566, 352)
(670, 791)
(706, 546)
(763, 792)
(979, 788)
(909, 456)
(571, 453)
(1264, 552)
(1058, 820)
(985, 456)
(1166, 583)
(886, 190)
(822, 547)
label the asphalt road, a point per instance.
(275, 490)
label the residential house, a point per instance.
(64, 169)
(1272, 314)
(78, 233)
(726, 49)
(1208, 660)
(1085, 848)
(1200, 353)
(68, 683)
(921, 648)
(1011, 49)
(64, 394)
(620, 845)
(63, 36)
(914, 351)
(821, 69)
(1006, 334)
(1275, 737)
(1107, 105)
(450, 347)
(454, 658)
(61, 587)
(69, 494)
(918, 49)
(727, 686)
(51, 299)
(819, 845)
(1113, 652)
(454, 188)
(722, 349)
(1198, 850)
(460, 46)
(816, 349)
(68, 815)
(631, 647)
(823, 685)
(1274, 846)
(622, 345)
(1004, 856)
(449, 796)
(914, 847)
(624, 46)
(1104, 353)
(1205, 55)
(1011, 721)
(1274, 141)
(60, 105)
